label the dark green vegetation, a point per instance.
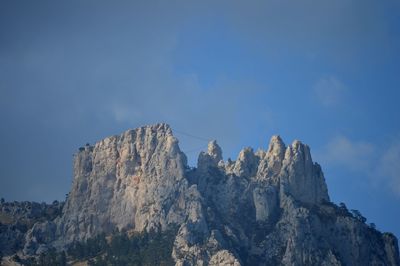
(146, 248)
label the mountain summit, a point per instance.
(269, 207)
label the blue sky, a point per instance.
(325, 72)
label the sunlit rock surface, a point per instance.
(269, 207)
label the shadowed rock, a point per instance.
(266, 208)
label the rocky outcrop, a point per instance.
(211, 158)
(265, 202)
(269, 207)
(301, 177)
(131, 181)
(224, 258)
(271, 161)
(18, 218)
(246, 164)
(272, 207)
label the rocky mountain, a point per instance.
(17, 218)
(269, 207)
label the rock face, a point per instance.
(132, 181)
(269, 207)
(17, 219)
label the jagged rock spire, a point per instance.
(246, 163)
(214, 150)
(271, 164)
(276, 147)
(211, 158)
(301, 177)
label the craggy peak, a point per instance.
(135, 201)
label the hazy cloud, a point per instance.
(379, 164)
(329, 91)
(389, 167)
(342, 151)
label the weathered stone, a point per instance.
(271, 163)
(266, 208)
(129, 181)
(265, 202)
(224, 258)
(211, 158)
(246, 163)
(300, 177)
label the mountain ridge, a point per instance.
(265, 208)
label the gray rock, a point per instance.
(246, 163)
(129, 181)
(266, 208)
(211, 158)
(265, 202)
(300, 177)
(271, 161)
(224, 258)
(18, 218)
(39, 236)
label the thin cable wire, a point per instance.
(190, 135)
(197, 149)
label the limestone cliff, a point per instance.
(269, 207)
(132, 181)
